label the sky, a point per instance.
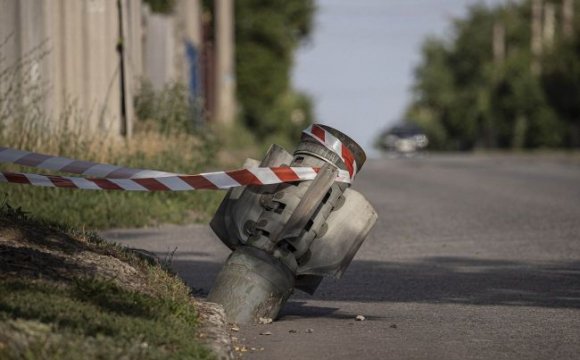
(359, 65)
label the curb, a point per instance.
(213, 330)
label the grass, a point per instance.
(106, 209)
(73, 315)
(166, 141)
(93, 319)
(150, 148)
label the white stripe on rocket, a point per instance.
(333, 143)
(343, 176)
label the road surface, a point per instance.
(471, 258)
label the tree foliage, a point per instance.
(467, 96)
(161, 6)
(267, 34)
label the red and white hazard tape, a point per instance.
(213, 180)
(62, 164)
(111, 177)
(332, 143)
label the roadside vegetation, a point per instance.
(268, 33)
(505, 77)
(151, 147)
(70, 295)
(169, 135)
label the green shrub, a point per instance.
(170, 110)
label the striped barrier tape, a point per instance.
(62, 164)
(112, 177)
(213, 180)
(331, 142)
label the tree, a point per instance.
(267, 34)
(561, 80)
(480, 89)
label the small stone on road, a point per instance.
(265, 321)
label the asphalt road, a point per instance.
(471, 258)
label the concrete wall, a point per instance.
(159, 49)
(166, 42)
(82, 64)
(98, 50)
(23, 66)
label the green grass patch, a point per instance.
(103, 210)
(50, 308)
(180, 153)
(93, 319)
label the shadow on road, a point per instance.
(445, 280)
(302, 309)
(460, 280)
